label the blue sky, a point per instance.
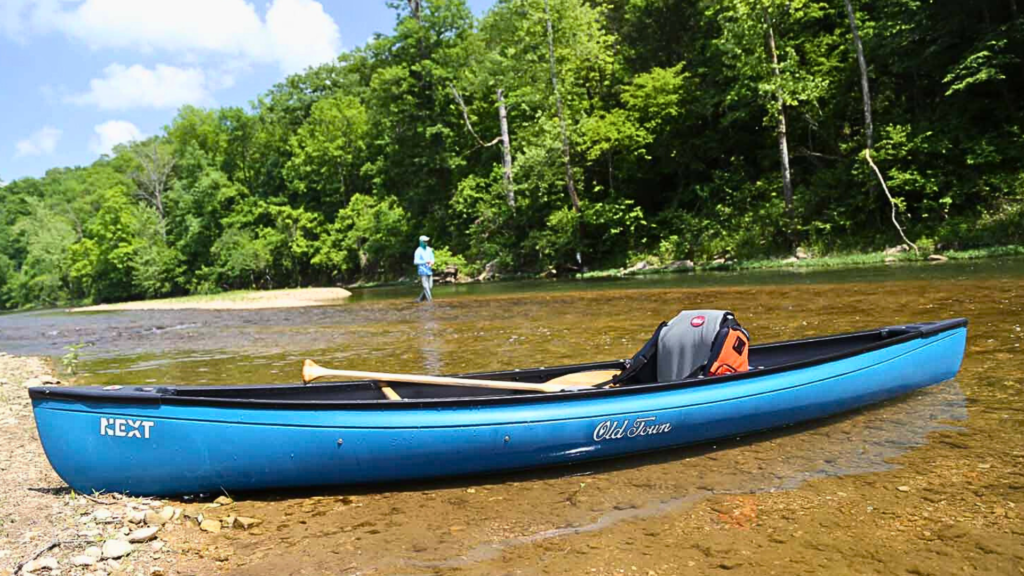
(79, 76)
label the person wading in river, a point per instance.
(424, 261)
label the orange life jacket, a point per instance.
(729, 350)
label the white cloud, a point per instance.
(43, 141)
(295, 33)
(301, 34)
(112, 133)
(139, 87)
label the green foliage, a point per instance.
(671, 109)
(369, 237)
(70, 360)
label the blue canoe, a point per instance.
(194, 440)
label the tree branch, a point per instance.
(892, 201)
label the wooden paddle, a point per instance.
(313, 371)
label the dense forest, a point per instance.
(557, 135)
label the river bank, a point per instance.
(45, 528)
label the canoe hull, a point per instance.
(167, 449)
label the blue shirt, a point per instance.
(422, 259)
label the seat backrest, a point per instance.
(684, 345)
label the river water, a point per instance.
(611, 516)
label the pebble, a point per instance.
(903, 488)
(33, 382)
(210, 525)
(94, 552)
(116, 549)
(83, 560)
(245, 523)
(223, 500)
(143, 534)
(156, 546)
(154, 518)
(156, 571)
(137, 517)
(47, 563)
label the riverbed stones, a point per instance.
(143, 534)
(245, 523)
(159, 518)
(41, 564)
(210, 525)
(83, 560)
(136, 517)
(677, 264)
(33, 382)
(113, 549)
(94, 552)
(102, 516)
(223, 500)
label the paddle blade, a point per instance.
(311, 371)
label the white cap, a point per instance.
(424, 238)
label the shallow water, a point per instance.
(460, 524)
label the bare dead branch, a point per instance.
(892, 201)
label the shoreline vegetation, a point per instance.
(315, 296)
(610, 134)
(234, 300)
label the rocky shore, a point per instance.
(46, 528)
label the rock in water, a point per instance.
(116, 549)
(143, 534)
(937, 258)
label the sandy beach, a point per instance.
(241, 300)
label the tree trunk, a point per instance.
(414, 9)
(569, 184)
(506, 150)
(868, 125)
(865, 90)
(787, 181)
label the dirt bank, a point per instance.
(241, 300)
(45, 528)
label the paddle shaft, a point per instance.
(308, 375)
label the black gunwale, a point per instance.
(166, 395)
